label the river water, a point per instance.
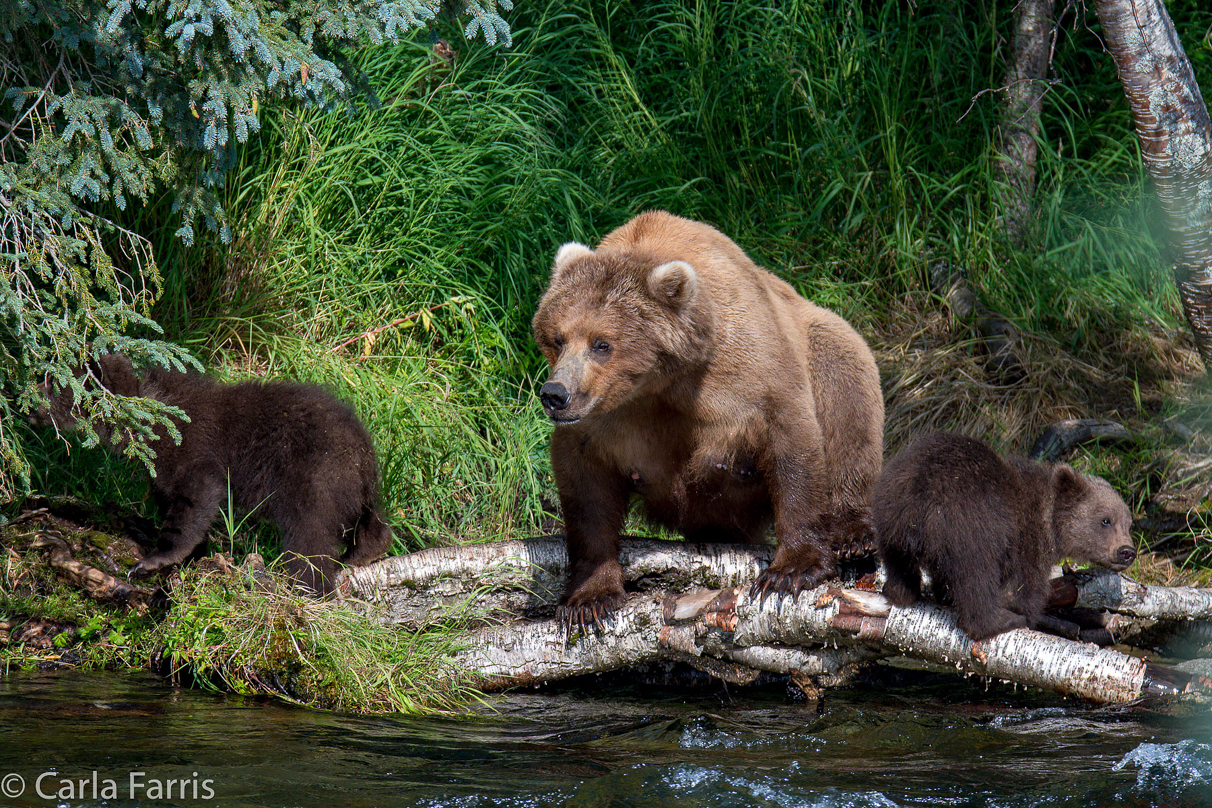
(124, 739)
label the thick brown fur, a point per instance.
(989, 529)
(688, 376)
(291, 453)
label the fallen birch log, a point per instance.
(820, 634)
(526, 577)
(1177, 620)
(734, 629)
(927, 632)
(1110, 591)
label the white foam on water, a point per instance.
(690, 782)
(1170, 767)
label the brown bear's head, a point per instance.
(1090, 520)
(112, 371)
(614, 325)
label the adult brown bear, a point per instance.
(685, 374)
(989, 529)
(289, 453)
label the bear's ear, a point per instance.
(118, 375)
(566, 255)
(674, 282)
(1067, 483)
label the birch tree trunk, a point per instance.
(1024, 87)
(817, 638)
(1176, 138)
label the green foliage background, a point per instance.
(112, 102)
(842, 143)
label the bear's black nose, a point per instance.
(1126, 555)
(554, 396)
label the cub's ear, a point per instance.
(674, 282)
(1067, 483)
(566, 255)
(118, 375)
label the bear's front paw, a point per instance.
(987, 625)
(780, 581)
(855, 538)
(588, 612)
(152, 564)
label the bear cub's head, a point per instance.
(112, 371)
(615, 325)
(1090, 520)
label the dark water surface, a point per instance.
(945, 744)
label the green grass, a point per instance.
(258, 636)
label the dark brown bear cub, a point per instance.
(291, 453)
(688, 377)
(988, 529)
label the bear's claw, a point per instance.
(589, 616)
(148, 567)
(784, 581)
(855, 538)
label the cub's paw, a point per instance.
(588, 613)
(151, 565)
(987, 626)
(780, 581)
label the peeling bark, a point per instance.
(1175, 134)
(754, 634)
(816, 638)
(527, 577)
(537, 653)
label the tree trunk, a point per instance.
(1024, 86)
(1176, 140)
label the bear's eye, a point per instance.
(601, 346)
(557, 342)
(1106, 522)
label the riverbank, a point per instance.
(213, 624)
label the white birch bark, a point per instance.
(1109, 591)
(1175, 134)
(536, 653)
(926, 632)
(820, 662)
(1022, 656)
(418, 589)
(521, 577)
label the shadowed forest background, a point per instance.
(396, 253)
